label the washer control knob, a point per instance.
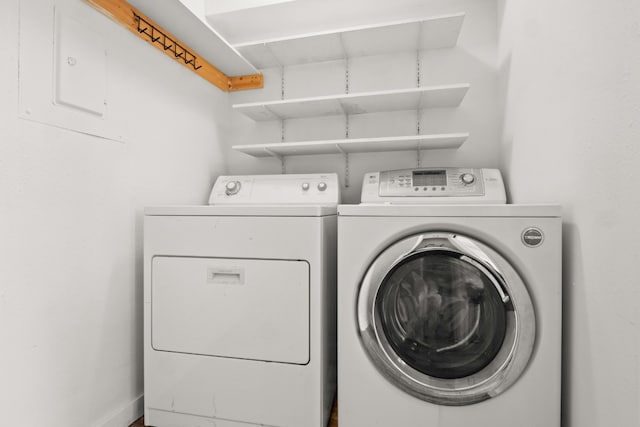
(305, 186)
(232, 187)
(322, 186)
(467, 178)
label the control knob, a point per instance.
(232, 187)
(322, 186)
(305, 186)
(467, 178)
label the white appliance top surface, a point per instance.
(392, 210)
(243, 210)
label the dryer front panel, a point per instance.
(446, 318)
(252, 309)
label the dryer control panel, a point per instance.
(434, 186)
(319, 189)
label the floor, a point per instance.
(333, 422)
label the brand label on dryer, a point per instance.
(532, 237)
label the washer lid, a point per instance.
(243, 210)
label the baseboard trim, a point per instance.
(125, 416)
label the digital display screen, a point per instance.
(429, 178)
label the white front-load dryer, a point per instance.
(239, 305)
(449, 315)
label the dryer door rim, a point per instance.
(519, 337)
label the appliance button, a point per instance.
(232, 187)
(467, 178)
(322, 186)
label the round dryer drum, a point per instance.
(446, 318)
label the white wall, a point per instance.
(71, 225)
(473, 61)
(572, 124)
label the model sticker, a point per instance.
(532, 237)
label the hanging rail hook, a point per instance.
(139, 20)
(175, 52)
(189, 58)
(164, 43)
(154, 39)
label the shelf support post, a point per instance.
(346, 76)
(346, 165)
(346, 115)
(282, 83)
(283, 166)
(418, 111)
(418, 152)
(346, 155)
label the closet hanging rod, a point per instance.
(144, 27)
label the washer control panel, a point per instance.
(434, 185)
(276, 189)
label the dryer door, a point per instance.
(446, 318)
(250, 309)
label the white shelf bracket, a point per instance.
(273, 113)
(274, 154)
(345, 54)
(275, 57)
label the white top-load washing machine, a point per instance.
(449, 304)
(239, 305)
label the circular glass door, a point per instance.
(446, 318)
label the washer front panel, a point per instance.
(446, 318)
